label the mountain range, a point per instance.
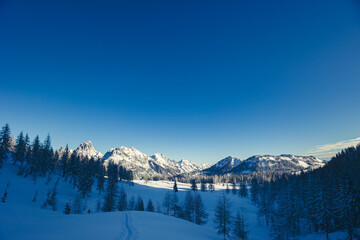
(159, 166)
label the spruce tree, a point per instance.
(203, 186)
(150, 206)
(193, 185)
(167, 203)
(189, 207)
(5, 143)
(20, 149)
(111, 187)
(67, 209)
(122, 203)
(140, 204)
(64, 160)
(223, 216)
(243, 192)
(199, 210)
(239, 227)
(175, 186)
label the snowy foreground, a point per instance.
(21, 218)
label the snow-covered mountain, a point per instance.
(281, 163)
(87, 150)
(264, 163)
(223, 166)
(143, 166)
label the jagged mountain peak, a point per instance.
(87, 150)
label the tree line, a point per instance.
(323, 200)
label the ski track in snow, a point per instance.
(130, 234)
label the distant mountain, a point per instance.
(223, 166)
(282, 163)
(143, 166)
(86, 149)
(264, 163)
(159, 166)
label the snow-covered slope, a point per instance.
(87, 150)
(223, 166)
(283, 163)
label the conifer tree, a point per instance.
(199, 210)
(193, 185)
(67, 209)
(111, 187)
(150, 206)
(239, 227)
(243, 192)
(139, 204)
(167, 203)
(64, 160)
(175, 186)
(85, 180)
(189, 207)
(223, 216)
(122, 205)
(20, 149)
(203, 186)
(5, 143)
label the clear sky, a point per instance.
(199, 80)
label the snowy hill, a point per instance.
(283, 163)
(23, 218)
(223, 166)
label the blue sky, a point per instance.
(199, 80)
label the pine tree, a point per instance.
(189, 207)
(203, 186)
(239, 227)
(150, 206)
(46, 158)
(85, 179)
(5, 143)
(67, 209)
(111, 187)
(100, 177)
(35, 157)
(200, 210)
(122, 205)
(20, 149)
(193, 185)
(174, 205)
(64, 160)
(175, 186)
(223, 216)
(243, 192)
(139, 204)
(131, 206)
(167, 203)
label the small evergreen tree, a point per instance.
(175, 186)
(67, 209)
(223, 216)
(200, 210)
(193, 185)
(139, 204)
(203, 186)
(150, 206)
(122, 206)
